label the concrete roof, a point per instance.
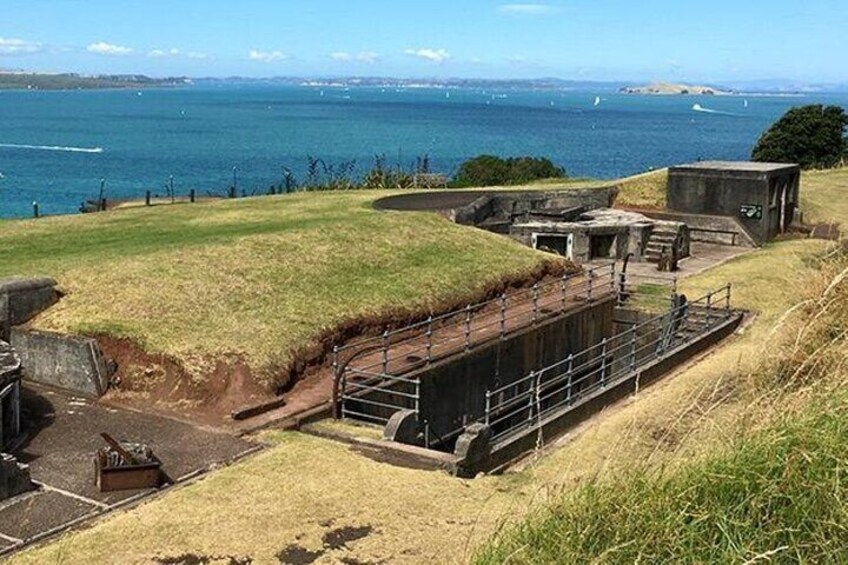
(740, 166)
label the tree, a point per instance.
(488, 170)
(812, 136)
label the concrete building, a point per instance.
(603, 233)
(762, 197)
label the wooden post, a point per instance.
(147, 198)
(35, 209)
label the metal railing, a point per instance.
(526, 402)
(443, 335)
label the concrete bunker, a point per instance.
(482, 388)
(762, 197)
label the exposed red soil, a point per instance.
(157, 382)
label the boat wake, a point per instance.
(53, 148)
(699, 108)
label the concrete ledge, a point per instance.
(22, 299)
(70, 362)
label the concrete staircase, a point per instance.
(661, 236)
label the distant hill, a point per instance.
(668, 88)
(15, 80)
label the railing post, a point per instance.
(503, 315)
(570, 376)
(603, 362)
(468, 327)
(709, 310)
(429, 338)
(535, 302)
(562, 286)
(633, 348)
(727, 301)
(335, 360)
(591, 284)
(386, 352)
(531, 378)
(343, 394)
(426, 434)
(622, 288)
(487, 415)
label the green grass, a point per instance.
(258, 277)
(780, 494)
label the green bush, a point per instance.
(812, 136)
(489, 170)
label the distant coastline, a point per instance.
(17, 80)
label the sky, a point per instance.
(677, 40)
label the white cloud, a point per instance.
(362, 57)
(266, 56)
(435, 55)
(10, 46)
(341, 56)
(367, 56)
(526, 9)
(174, 52)
(103, 48)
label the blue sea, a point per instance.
(55, 147)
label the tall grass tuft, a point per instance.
(778, 492)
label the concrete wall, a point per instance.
(512, 448)
(724, 192)
(69, 362)
(453, 390)
(10, 397)
(708, 228)
(23, 299)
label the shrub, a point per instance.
(489, 170)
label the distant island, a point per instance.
(667, 88)
(18, 80)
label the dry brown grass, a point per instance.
(643, 191)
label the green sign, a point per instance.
(751, 211)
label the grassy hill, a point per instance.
(255, 280)
(731, 450)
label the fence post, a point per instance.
(35, 210)
(622, 288)
(429, 338)
(503, 315)
(709, 309)
(591, 284)
(727, 300)
(147, 198)
(562, 289)
(386, 352)
(191, 196)
(535, 302)
(570, 376)
(531, 378)
(426, 434)
(468, 327)
(603, 362)
(633, 348)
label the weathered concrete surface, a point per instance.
(69, 362)
(14, 477)
(513, 447)
(724, 188)
(453, 390)
(703, 228)
(23, 299)
(10, 376)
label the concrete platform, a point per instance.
(60, 441)
(702, 256)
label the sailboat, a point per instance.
(745, 103)
(597, 101)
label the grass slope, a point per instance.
(288, 494)
(257, 277)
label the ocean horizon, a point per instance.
(56, 146)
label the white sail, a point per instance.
(597, 101)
